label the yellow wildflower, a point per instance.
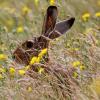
(29, 89)
(1, 77)
(85, 16)
(75, 74)
(2, 70)
(33, 60)
(20, 29)
(25, 10)
(42, 53)
(76, 63)
(3, 57)
(12, 70)
(82, 67)
(40, 70)
(38, 59)
(27, 67)
(52, 2)
(36, 2)
(21, 72)
(97, 14)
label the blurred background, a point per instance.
(23, 19)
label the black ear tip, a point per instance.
(71, 21)
(52, 7)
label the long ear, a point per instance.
(61, 28)
(49, 20)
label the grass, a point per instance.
(74, 67)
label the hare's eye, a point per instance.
(29, 44)
(13, 57)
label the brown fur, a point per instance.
(51, 30)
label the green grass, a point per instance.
(23, 19)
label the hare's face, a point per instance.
(30, 48)
(51, 30)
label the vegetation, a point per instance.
(77, 51)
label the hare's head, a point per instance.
(51, 30)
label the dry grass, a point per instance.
(73, 72)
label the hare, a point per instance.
(50, 30)
(30, 48)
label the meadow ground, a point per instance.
(78, 49)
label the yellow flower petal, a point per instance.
(76, 63)
(42, 53)
(85, 16)
(36, 2)
(27, 67)
(75, 74)
(33, 60)
(40, 70)
(52, 2)
(12, 71)
(38, 59)
(25, 10)
(3, 57)
(82, 67)
(97, 14)
(21, 72)
(20, 29)
(29, 89)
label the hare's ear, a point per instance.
(49, 20)
(61, 28)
